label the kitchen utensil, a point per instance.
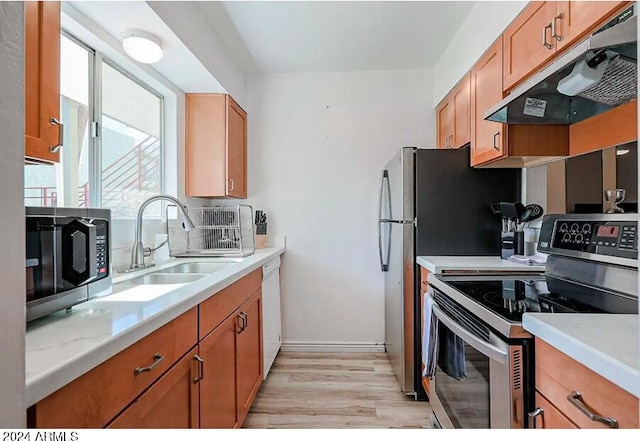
(533, 212)
(520, 208)
(614, 197)
(509, 213)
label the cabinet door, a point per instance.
(528, 41)
(42, 80)
(550, 417)
(170, 403)
(461, 98)
(236, 150)
(218, 385)
(249, 354)
(487, 137)
(444, 114)
(574, 19)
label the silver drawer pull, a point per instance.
(200, 368)
(158, 359)
(576, 399)
(533, 415)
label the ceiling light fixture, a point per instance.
(621, 152)
(142, 46)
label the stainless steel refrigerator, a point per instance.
(432, 203)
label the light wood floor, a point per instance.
(326, 390)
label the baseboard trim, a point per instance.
(331, 347)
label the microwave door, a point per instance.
(79, 260)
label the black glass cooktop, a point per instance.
(510, 298)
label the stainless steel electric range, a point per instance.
(484, 373)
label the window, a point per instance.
(112, 156)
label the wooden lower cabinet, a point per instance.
(171, 403)
(174, 377)
(548, 416)
(218, 408)
(232, 358)
(249, 354)
(560, 377)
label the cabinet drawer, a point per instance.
(215, 309)
(95, 398)
(558, 376)
(551, 417)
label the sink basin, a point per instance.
(196, 267)
(164, 279)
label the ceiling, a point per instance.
(321, 36)
(117, 16)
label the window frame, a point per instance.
(96, 59)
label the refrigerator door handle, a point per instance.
(384, 183)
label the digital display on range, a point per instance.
(608, 231)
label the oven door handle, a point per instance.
(480, 345)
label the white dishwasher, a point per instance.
(271, 319)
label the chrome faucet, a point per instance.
(138, 250)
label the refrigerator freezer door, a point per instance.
(399, 283)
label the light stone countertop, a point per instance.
(63, 346)
(440, 264)
(605, 343)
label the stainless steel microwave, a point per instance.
(68, 257)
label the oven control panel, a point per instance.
(613, 238)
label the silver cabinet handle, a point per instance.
(544, 36)
(449, 141)
(243, 318)
(158, 359)
(55, 148)
(553, 27)
(495, 144)
(532, 416)
(576, 399)
(231, 185)
(200, 368)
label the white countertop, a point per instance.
(440, 264)
(605, 343)
(63, 346)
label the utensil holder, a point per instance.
(518, 243)
(261, 241)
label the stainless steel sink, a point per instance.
(196, 268)
(164, 279)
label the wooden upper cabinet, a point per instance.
(216, 147)
(454, 118)
(487, 137)
(574, 19)
(543, 29)
(43, 132)
(173, 402)
(444, 114)
(528, 41)
(462, 113)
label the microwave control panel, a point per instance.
(102, 247)
(597, 237)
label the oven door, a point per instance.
(489, 392)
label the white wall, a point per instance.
(485, 22)
(12, 312)
(317, 145)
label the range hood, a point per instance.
(595, 75)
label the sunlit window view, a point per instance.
(123, 158)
